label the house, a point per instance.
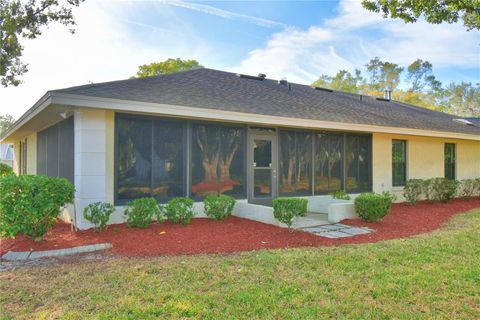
(205, 131)
(6, 154)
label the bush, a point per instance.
(286, 209)
(468, 187)
(5, 170)
(340, 194)
(179, 210)
(219, 207)
(413, 190)
(139, 212)
(442, 189)
(373, 206)
(98, 213)
(31, 204)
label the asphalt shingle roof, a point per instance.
(219, 90)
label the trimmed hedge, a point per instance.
(340, 194)
(469, 188)
(413, 190)
(441, 189)
(286, 209)
(30, 204)
(98, 214)
(219, 207)
(139, 212)
(179, 210)
(373, 206)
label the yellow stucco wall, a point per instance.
(425, 159)
(32, 153)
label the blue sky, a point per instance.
(294, 40)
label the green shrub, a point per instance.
(413, 190)
(139, 212)
(373, 206)
(468, 188)
(5, 170)
(179, 210)
(442, 189)
(98, 214)
(31, 204)
(218, 207)
(286, 209)
(340, 194)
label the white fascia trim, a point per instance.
(231, 116)
(30, 114)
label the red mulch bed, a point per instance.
(237, 234)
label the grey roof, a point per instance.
(219, 90)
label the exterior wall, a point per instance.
(32, 153)
(90, 160)
(425, 159)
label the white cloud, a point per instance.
(103, 48)
(356, 35)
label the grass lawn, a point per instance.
(436, 275)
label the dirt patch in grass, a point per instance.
(236, 234)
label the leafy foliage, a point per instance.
(179, 210)
(421, 86)
(139, 212)
(413, 190)
(98, 213)
(373, 206)
(31, 204)
(6, 122)
(340, 194)
(5, 170)
(24, 19)
(434, 12)
(440, 189)
(286, 209)
(219, 207)
(166, 67)
(469, 187)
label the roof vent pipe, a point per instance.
(387, 94)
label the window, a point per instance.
(218, 160)
(399, 163)
(450, 159)
(295, 162)
(357, 163)
(150, 159)
(55, 150)
(328, 162)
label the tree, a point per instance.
(5, 123)
(462, 99)
(166, 67)
(24, 19)
(342, 81)
(421, 87)
(420, 76)
(383, 75)
(434, 11)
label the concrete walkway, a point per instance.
(32, 255)
(318, 224)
